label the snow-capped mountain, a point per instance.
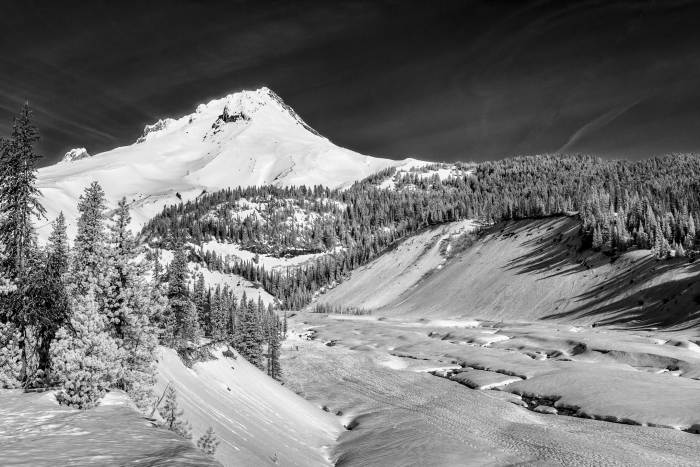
(75, 154)
(246, 138)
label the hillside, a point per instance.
(526, 270)
(244, 139)
(36, 431)
(257, 420)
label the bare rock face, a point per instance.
(75, 155)
(546, 410)
(154, 128)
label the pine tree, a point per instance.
(19, 206)
(273, 351)
(89, 251)
(58, 245)
(182, 310)
(48, 295)
(200, 301)
(172, 415)
(83, 356)
(19, 197)
(249, 335)
(10, 356)
(208, 442)
(597, 239)
(131, 306)
(690, 236)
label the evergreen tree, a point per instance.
(19, 197)
(208, 442)
(10, 356)
(58, 247)
(48, 295)
(89, 250)
(130, 309)
(172, 415)
(274, 369)
(200, 301)
(249, 335)
(218, 314)
(19, 206)
(83, 356)
(182, 310)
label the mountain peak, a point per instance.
(75, 154)
(241, 107)
(247, 138)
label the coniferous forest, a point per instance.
(650, 204)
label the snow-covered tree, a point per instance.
(19, 196)
(219, 315)
(208, 442)
(10, 356)
(84, 356)
(183, 311)
(172, 415)
(89, 249)
(19, 207)
(274, 369)
(249, 335)
(129, 310)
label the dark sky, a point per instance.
(438, 80)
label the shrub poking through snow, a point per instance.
(172, 415)
(208, 442)
(84, 356)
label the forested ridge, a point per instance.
(652, 203)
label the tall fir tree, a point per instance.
(89, 249)
(19, 196)
(183, 311)
(19, 206)
(130, 310)
(274, 369)
(249, 335)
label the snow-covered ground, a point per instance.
(244, 139)
(257, 420)
(385, 279)
(237, 284)
(234, 252)
(526, 270)
(443, 172)
(421, 394)
(35, 432)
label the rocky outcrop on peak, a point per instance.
(75, 154)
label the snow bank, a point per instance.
(613, 394)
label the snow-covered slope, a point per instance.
(246, 138)
(257, 420)
(525, 270)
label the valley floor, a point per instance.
(465, 392)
